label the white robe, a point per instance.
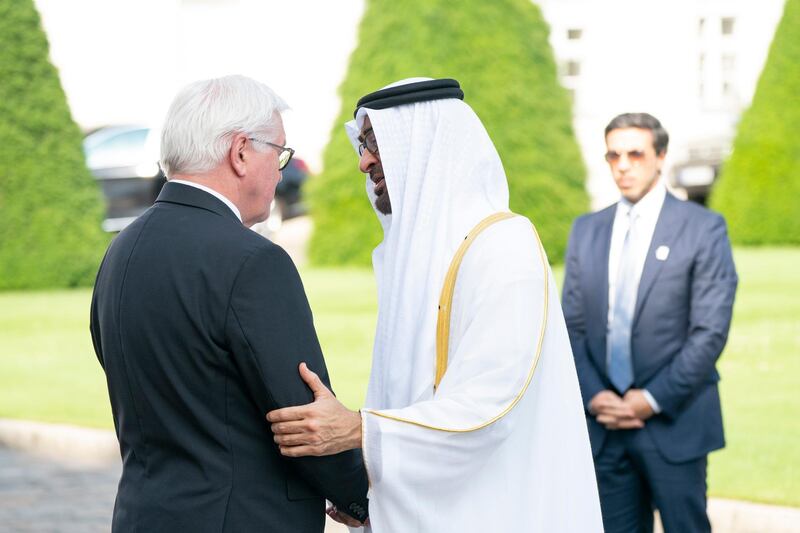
(502, 444)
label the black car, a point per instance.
(697, 171)
(124, 161)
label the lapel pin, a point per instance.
(662, 252)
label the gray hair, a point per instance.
(642, 121)
(206, 114)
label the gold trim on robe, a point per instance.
(443, 325)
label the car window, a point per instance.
(116, 150)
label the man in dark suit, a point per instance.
(648, 296)
(200, 325)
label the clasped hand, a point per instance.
(615, 412)
(324, 427)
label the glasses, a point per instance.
(369, 143)
(285, 153)
(634, 156)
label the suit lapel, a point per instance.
(668, 227)
(600, 251)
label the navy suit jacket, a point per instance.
(200, 325)
(680, 325)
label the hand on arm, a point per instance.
(271, 331)
(613, 412)
(324, 427)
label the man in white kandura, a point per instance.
(473, 417)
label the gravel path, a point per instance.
(45, 496)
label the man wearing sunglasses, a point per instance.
(648, 297)
(200, 324)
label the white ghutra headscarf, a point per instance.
(443, 176)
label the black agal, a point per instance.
(420, 91)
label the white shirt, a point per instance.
(645, 212)
(212, 192)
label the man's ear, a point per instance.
(660, 160)
(237, 154)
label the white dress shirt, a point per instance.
(212, 192)
(645, 213)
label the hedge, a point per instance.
(759, 187)
(500, 54)
(50, 207)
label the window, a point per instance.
(573, 34)
(727, 25)
(728, 74)
(573, 68)
(727, 88)
(701, 74)
(728, 64)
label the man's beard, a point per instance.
(383, 204)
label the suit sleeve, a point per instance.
(271, 331)
(574, 306)
(94, 319)
(713, 288)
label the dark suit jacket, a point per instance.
(681, 321)
(200, 324)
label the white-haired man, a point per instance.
(473, 401)
(200, 324)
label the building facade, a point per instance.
(694, 64)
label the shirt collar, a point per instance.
(212, 192)
(649, 206)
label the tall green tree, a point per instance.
(499, 52)
(50, 206)
(759, 188)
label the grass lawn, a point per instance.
(760, 384)
(48, 371)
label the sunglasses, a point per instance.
(634, 156)
(284, 156)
